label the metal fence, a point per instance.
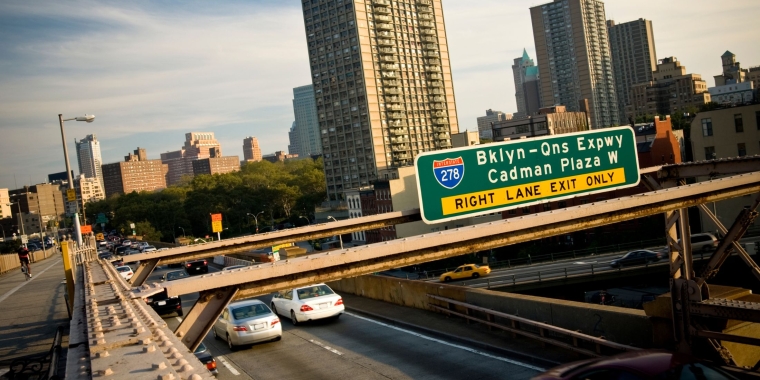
(9, 261)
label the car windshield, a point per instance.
(201, 348)
(123, 269)
(176, 275)
(629, 254)
(314, 291)
(250, 311)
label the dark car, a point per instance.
(639, 257)
(119, 250)
(644, 364)
(161, 302)
(205, 357)
(197, 266)
(33, 247)
(602, 298)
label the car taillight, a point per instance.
(239, 328)
(205, 262)
(188, 265)
(179, 307)
(275, 321)
(306, 308)
(339, 302)
(211, 365)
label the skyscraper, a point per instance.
(180, 162)
(251, 149)
(293, 147)
(88, 156)
(382, 83)
(306, 128)
(634, 58)
(574, 58)
(524, 70)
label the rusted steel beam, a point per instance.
(334, 265)
(206, 310)
(712, 168)
(248, 243)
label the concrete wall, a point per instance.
(621, 325)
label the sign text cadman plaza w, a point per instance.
(481, 179)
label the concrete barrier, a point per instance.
(616, 324)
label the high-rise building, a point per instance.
(307, 140)
(527, 95)
(43, 199)
(5, 208)
(633, 58)
(251, 149)
(383, 87)
(293, 147)
(484, 122)
(180, 162)
(671, 90)
(88, 156)
(574, 58)
(135, 173)
(216, 165)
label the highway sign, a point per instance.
(216, 222)
(85, 229)
(482, 179)
(71, 195)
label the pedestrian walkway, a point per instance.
(32, 310)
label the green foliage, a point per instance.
(485, 141)
(10, 246)
(281, 190)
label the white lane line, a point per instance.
(328, 348)
(179, 319)
(472, 350)
(8, 294)
(229, 367)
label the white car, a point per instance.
(125, 271)
(149, 248)
(308, 303)
(247, 322)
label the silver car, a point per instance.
(247, 322)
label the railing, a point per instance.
(41, 367)
(542, 332)
(9, 261)
(227, 261)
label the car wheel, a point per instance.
(475, 275)
(274, 309)
(216, 336)
(180, 313)
(447, 279)
(293, 318)
(279, 338)
(229, 343)
(335, 318)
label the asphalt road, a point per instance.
(355, 347)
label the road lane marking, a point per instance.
(472, 350)
(229, 367)
(179, 319)
(328, 348)
(8, 294)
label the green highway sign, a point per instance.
(481, 179)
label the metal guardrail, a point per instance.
(42, 367)
(546, 332)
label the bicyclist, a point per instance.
(23, 257)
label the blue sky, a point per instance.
(152, 71)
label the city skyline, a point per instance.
(149, 73)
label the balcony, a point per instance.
(387, 19)
(389, 67)
(435, 77)
(433, 61)
(387, 51)
(435, 83)
(388, 74)
(392, 99)
(438, 106)
(440, 114)
(396, 115)
(425, 17)
(399, 140)
(385, 42)
(425, 2)
(427, 32)
(399, 148)
(440, 130)
(431, 54)
(431, 47)
(426, 24)
(433, 69)
(395, 107)
(386, 34)
(423, 9)
(391, 83)
(438, 99)
(398, 132)
(392, 91)
(437, 92)
(388, 58)
(382, 10)
(441, 120)
(444, 144)
(397, 124)
(429, 39)
(402, 156)
(382, 3)
(384, 26)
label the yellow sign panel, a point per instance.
(276, 248)
(216, 226)
(531, 191)
(71, 195)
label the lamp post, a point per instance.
(307, 219)
(89, 119)
(183, 231)
(255, 219)
(339, 235)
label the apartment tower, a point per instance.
(574, 58)
(251, 149)
(306, 132)
(135, 173)
(382, 84)
(180, 162)
(634, 58)
(527, 96)
(88, 156)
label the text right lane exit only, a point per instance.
(481, 179)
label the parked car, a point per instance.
(247, 322)
(125, 271)
(197, 266)
(205, 357)
(642, 256)
(31, 246)
(466, 271)
(644, 364)
(308, 303)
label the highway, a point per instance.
(356, 346)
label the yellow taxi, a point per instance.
(466, 271)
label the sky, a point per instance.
(151, 71)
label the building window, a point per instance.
(742, 149)
(709, 152)
(738, 123)
(707, 127)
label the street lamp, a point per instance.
(196, 240)
(21, 221)
(89, 119)
(255, 219)
(183, 231)
(339, 235)
(307, 219)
